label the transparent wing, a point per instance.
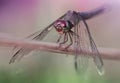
(96, 57)
(80, 44)
(35, 36)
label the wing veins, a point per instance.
(97, 57)
(40, 36)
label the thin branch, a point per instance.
(106, 53)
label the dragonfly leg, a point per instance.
(58, 40)
(65, 39)
(71, 41)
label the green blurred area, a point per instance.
(50, 69)
(49, 76)
(45, 76)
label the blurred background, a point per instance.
(20, 18)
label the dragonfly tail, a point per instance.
(95, 12)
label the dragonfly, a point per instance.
(69, 28)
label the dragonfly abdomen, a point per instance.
(93, 13)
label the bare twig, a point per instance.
(106, 53)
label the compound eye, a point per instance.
(59, 28)
(60, 25)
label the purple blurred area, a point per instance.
(21, 5)
(4, 3)
(17, 14)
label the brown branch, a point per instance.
(106, 53)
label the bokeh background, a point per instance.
(20, 18)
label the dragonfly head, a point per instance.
(60, 26)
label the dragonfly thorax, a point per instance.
(63, 26)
